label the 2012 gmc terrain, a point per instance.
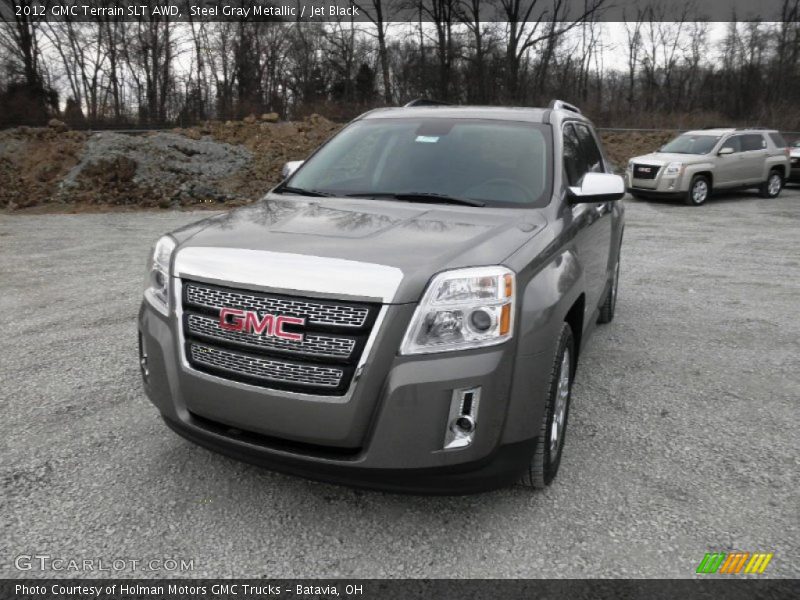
(406, 310)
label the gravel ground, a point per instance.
(683, 432)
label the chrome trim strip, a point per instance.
(289, 273)
(365, 355)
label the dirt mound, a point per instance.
(271, 145)
(33, 161)
(234, 162)
(621, 146)
(152, 170)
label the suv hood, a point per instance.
(663, 158)
(416, 240)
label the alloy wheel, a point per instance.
(699, 191)
(560, 406)
(774, 184)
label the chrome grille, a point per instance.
(334, 335)
(315, 313)
(645, 171)
(312, 344)
(266, 368)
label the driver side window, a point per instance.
(735, 142)
(581, 154)
(574, 162)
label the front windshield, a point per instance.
(498, 163)
(691, 144)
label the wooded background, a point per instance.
(159, 73)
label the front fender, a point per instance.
(693, 169)
(544, 302)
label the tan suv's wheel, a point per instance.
(772, 186)
(699, 190)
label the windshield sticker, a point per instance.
(427, 139)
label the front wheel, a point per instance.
(699, 191)
(552, 430)
(772, 186)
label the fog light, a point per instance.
(465, 424)
(463, 418)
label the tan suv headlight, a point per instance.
(462, 309)
(673, 169)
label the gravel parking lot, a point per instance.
(683, 433)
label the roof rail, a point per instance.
(561, 105)
(757, 128)
(425, 102)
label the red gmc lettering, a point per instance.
(236, 323)
(258, 326)
(279, 332)
(233, 319)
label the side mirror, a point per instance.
(597, 187)
(290, 167)
(725, 150)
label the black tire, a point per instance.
(610, 304)
(772, 186)
(547, 454)
(695, 197)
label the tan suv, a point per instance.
(697, 162)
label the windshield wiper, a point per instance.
(419, 197)
(295, 190)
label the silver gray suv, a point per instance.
(406, 310)
(696, 163)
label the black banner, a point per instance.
(369, 589)
(366, 11)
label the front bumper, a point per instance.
(659, 187)
(502, 467)
(388, 434)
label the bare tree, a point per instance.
(380, 16)
(526, 28)
(633, 45)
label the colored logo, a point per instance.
(734, 563)
(248, 321)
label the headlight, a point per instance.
(630, 165)
(673, 169)
(463, 308)
(156, 286)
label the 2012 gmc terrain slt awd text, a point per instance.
(405, 311)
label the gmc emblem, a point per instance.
(645, 169)
(233, 319)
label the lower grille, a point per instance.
(316, 353)
(264, 368)
(274, 443)
(645, 171)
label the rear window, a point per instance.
(753, 141)
(778, 140)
